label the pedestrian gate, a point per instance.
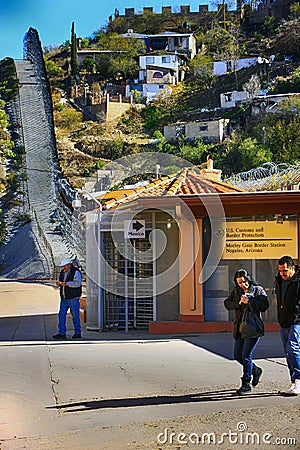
(133, 260)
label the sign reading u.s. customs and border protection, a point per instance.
(134, 229)
(261, 240)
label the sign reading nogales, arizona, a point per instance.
(261, 240)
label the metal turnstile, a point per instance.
(130, 281)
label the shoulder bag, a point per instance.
(251, 325)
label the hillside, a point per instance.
(196, 98)
(84, 145)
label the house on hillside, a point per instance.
(167, 61)
(182, 43)
(234, 98)
(231, 65)
(156, 72)
(210, 130)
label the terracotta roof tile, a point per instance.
(185, 182)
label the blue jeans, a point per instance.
(291, 346)
(243, 351)
(74, 305)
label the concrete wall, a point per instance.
(115, 109)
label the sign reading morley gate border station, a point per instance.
(261, 240)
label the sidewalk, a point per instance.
(112, 391)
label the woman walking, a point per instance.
(246, 292)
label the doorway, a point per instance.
(128, 300)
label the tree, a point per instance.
(295, 10)
(289, 108)
(195, 152)
(6, 145)
(52, 69)
(65, 46)
(120, 55)
(253, 154)
(74, 63)
(68, 118)
(219, 42)
(243, 153)
(168, 100)
(284, 140)
(84, 43)
(150, 23)
(152, 114)
(282, 131)
(8, 79)
(89, 64)
(201, 67)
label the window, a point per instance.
(228, 97)
(137, 87)
(157, 75)
(185, 43)
(229, 66)
(166, 59)
(149, 59)
(203, 127)
(179, 130)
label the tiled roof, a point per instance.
(185, 182)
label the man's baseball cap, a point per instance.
(64, 262)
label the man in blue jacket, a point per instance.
(70, 286)
(288, 310)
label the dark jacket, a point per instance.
(288, 308)
(66, 291)
(258, 301)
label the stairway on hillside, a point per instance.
(41, 164)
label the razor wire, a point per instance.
(267, 177)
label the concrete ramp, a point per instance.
(24, 257)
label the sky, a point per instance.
(53, 19)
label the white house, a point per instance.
(230, 65)
(156, 72)
(233, 98)
(230, 99)
(173, 61)
(183, 43)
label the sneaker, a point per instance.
(257, 372)
(59, 336)
(76, 336)
(296, 389)
(290, 389)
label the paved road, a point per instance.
(81, 394)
